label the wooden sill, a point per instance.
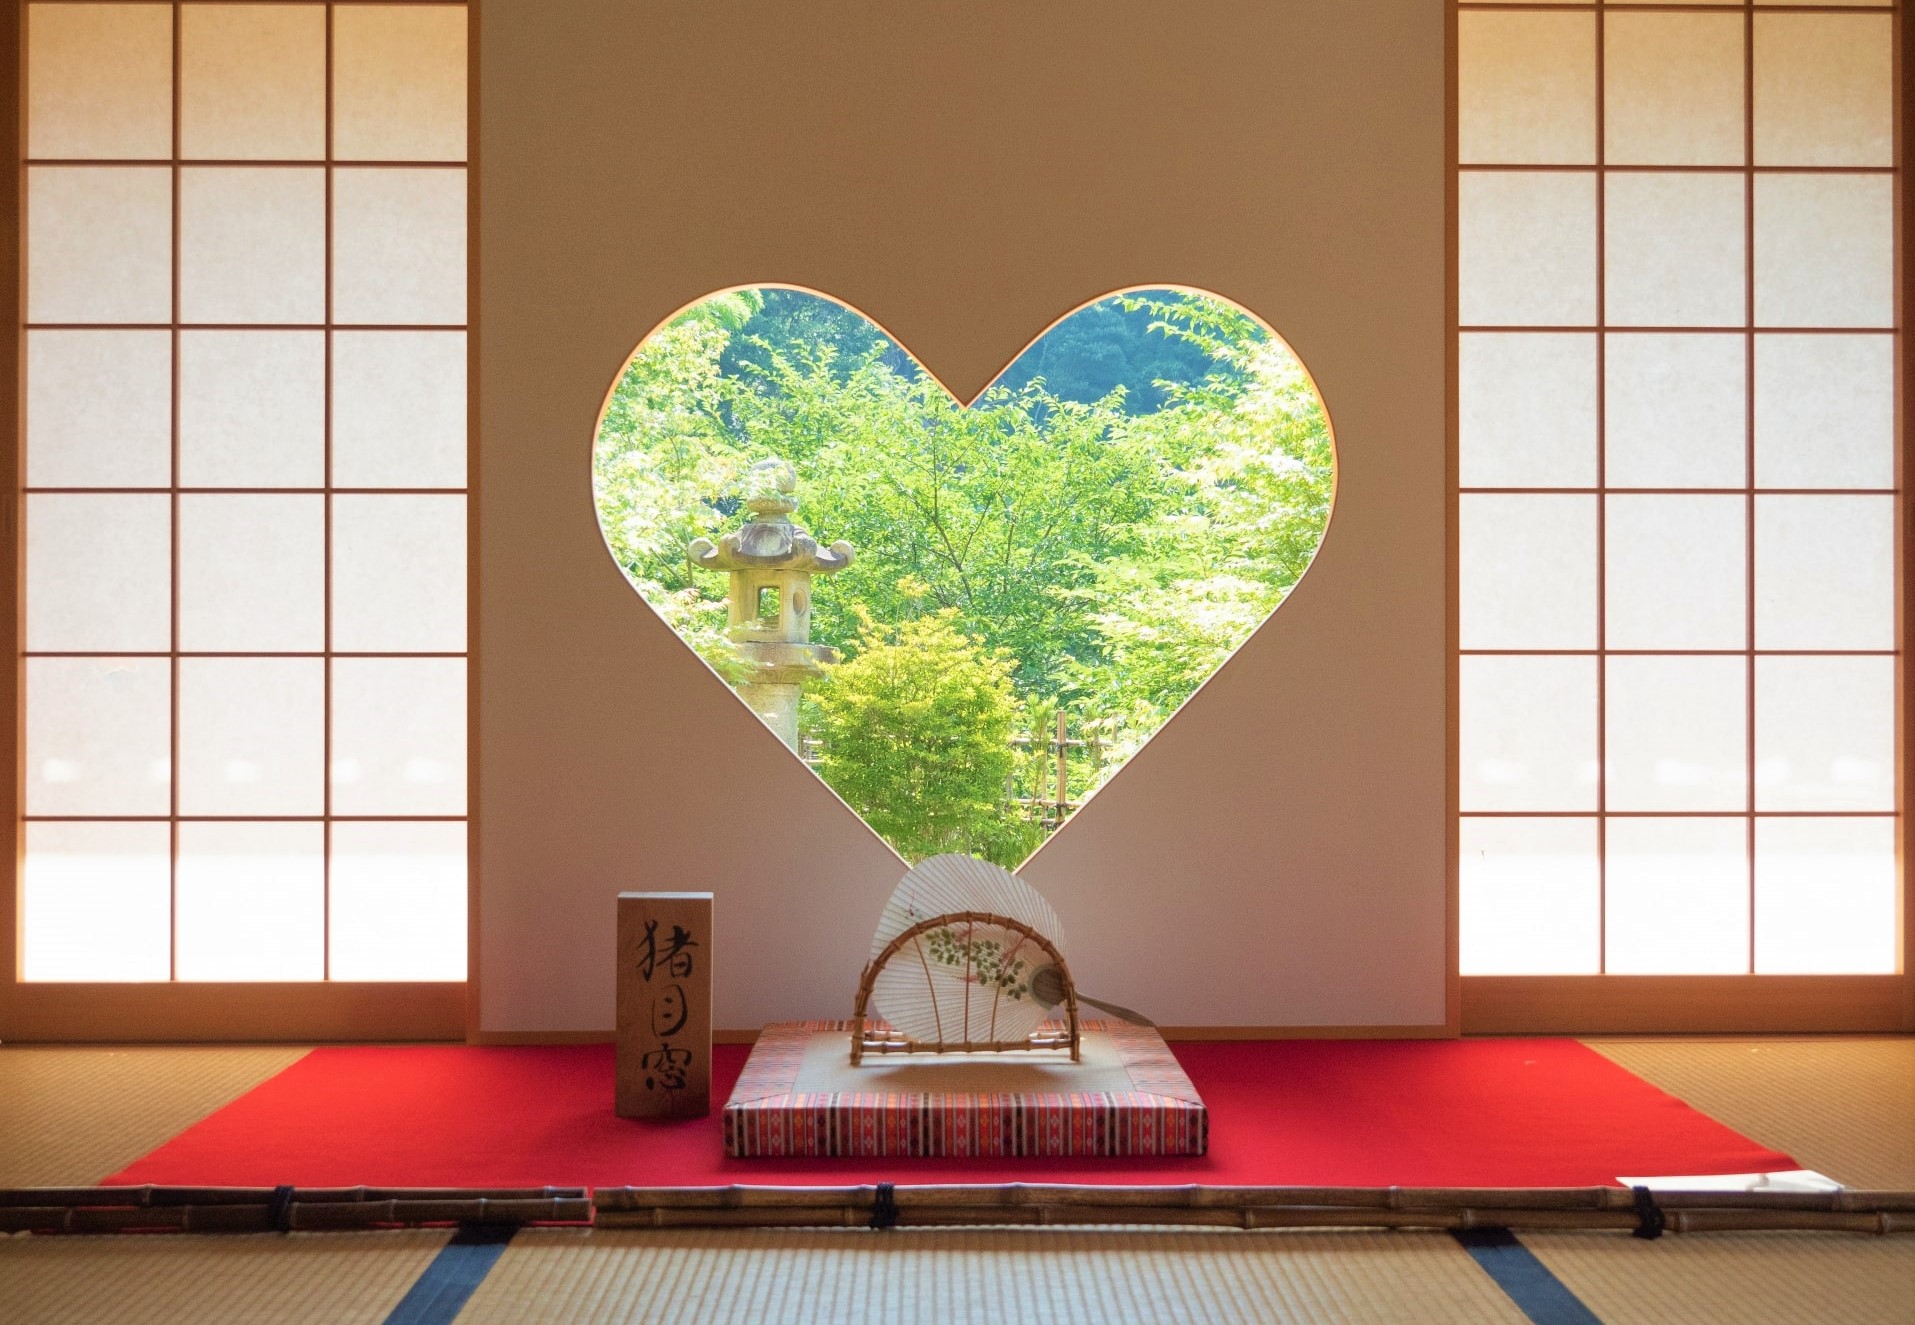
(1676, 1004)
(301, 1013)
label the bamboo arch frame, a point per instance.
(899, 1043)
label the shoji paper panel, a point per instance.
(1676, 733)
(1676, 896)
(1675, 254)
(98, 572)
(1528, 571)
(1531, 897)
(1528, 733)
(398, 736)
(1824, 90)
(253, 81)
(398, 580)
(1528, 409)
(1677, 411)
(398, 901)
(252, 245)
(398, 403)
(251, 901)
(1745, 343)
(1825, 733)
(1672, 89)
(1676, 572)
(1824, 250)
(1528, 87)
(1526, 248)
(252, 409)
(196, 423)
(399, 246)
(399, 82)
(1824, 411)
(96, 901)
(1824, 572)
(99, 409)
(252, 573)
(1825, 895)
(99, 81)
(98, 736)
(101, 247)
(252, 736)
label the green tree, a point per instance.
(1253, 482)
(1111, 344)
(998, 511)
(797, 317)
(917, 731)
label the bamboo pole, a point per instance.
(909, 1215)
(150, 1195)
(261, 1209)
(1198, 1195)
(1252, 1207)
(265, 1209)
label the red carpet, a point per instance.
(1494, 1113)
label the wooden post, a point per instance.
(664, 1005)
(1063, 780)
(1040, 778)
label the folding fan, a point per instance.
(968, 958)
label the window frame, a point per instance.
(1663, 1004)
(197, 1010)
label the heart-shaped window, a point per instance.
(965, 617)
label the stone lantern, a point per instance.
(771, 562)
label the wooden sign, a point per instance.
(664, 1005)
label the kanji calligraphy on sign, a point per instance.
(664, 1005)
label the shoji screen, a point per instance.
(1679, 489)
(243, 590)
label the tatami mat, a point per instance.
(1736, 1279)
(74, 1114)
(987, 1276)
(1843, 1106)
(235, 1279)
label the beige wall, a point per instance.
(966, 172)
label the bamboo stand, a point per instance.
(862, 1044)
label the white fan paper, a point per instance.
(965, 981)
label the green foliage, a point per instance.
(1098, 532)
(983, 959)
(1252, 496)
(917, 734)
(1111, 345)
(660, 459)
(997, 512)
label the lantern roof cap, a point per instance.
(768, 540)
